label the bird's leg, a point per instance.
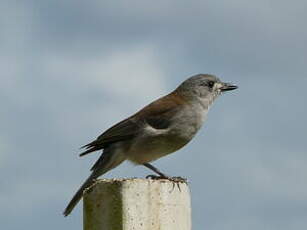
(153, 168)
(162, 175)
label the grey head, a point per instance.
(204, 88)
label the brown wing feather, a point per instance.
(158, 113)
(121, 131)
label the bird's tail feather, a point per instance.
(107, 161)
(77, 197)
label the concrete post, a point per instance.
(137, 204)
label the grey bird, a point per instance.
(160, 128)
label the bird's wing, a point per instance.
(157, 114)
(121, 131)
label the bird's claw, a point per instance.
(154, 177)
(176, 180)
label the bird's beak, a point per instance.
(228, 87)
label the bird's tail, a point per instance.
(107, 161)
(77, 197)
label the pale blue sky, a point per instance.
(71, 69)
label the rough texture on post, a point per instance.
(137, 204)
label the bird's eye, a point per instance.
(211, 84)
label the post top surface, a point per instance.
(133, 181)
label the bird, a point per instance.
(160, 128)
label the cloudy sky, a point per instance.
(71, 69)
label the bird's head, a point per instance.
(203, 87)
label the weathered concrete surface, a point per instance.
(137, 204)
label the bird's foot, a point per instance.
(176, 180)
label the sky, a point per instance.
(71, 69)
